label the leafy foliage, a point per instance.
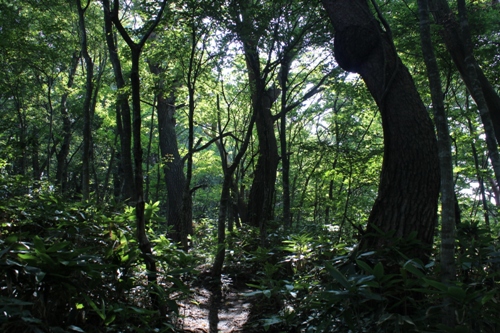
(74, 267)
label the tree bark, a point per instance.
(123, 119)
(62, 155)
(174, 166)
(409, 184)
(448, 266)
(260, 202)
(477, 92)
(135, 83)
(456, 44)
(285, 158)
(89, 87)
(480, 178)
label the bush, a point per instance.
(74, 267)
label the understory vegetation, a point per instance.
(72, 266)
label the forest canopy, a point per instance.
(331, 164)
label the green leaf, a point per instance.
(436, 284)
(487, 298)
(408, 266)
(364, 266)
(335, 273)
(75, 328)
(252, 293)
(102, 313)
(271, 321)
(378, 271)
(39, 244)
(12, 301)
(110, 319)
(457, 293)
(58, 246)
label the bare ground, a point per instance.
(233, 309)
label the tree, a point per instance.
(251, 23)
(448, 268)
(87, 107)
(138, 199)
(456, 41)
(409, 185)
(123, 120)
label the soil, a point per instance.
(233, 308)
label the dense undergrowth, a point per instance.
(324, 287)
(68, 266)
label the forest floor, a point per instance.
(233, 309)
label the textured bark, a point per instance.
(477, 92)
(480, 178)
(135, 50)
(123, 119)
(285, 158)
(448, 266)
(409, 182)
(62, 155)
(174, 168)
(225, 199)
(89, 87)
(456, 44)
(260, 202)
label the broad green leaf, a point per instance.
(436, 284)
(58, 246)
(75, 328)
(364, 266)
(335, 273)
(408, 266)
(39, 244)
(378, 271)
(102, 313)
(457, 293)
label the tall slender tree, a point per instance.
(458, 46)
(87, 103)
(448, 269)
(125, 183)
(138, 199)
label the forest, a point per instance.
(249, 166)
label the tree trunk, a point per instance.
(260, 203)
(62, 155)
(135, 83)
(123, 120)
(456, 44)
(174, 166)
(285, 158)
(409, 184)
(480, 178)
(477, 92)
(448, 266)
(89, 87)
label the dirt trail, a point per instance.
(233, 312)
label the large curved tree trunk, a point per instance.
(409, 184)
